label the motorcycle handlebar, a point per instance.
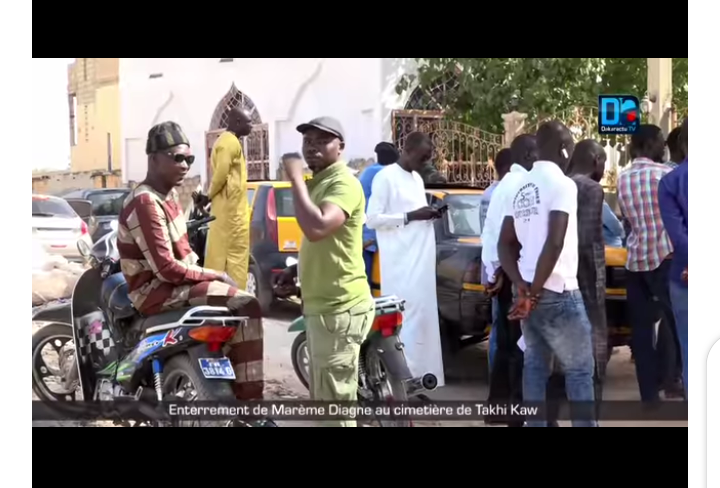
(194, 224)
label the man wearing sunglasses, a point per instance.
(161, 268)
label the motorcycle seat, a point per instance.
(146, 322)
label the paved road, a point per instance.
(469, 385)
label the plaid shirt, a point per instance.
(591, 262)
(648, 244)
(155, 255)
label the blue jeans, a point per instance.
(492, 340)
(679, 299)
(559, 327)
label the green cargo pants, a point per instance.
(334, 347)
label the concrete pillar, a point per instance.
(660, 92)
(514, 123)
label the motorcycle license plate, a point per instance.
(217, 369)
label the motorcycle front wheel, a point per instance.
(301, 359)
(49, 374)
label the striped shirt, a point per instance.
(648, 243)
(155, 254)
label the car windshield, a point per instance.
(107, 203)
(464, 215)
(51, 207)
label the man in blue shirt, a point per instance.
(387, 154)
(673, 199)
(613, 231)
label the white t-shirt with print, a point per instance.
(543, 190)
(502, 197)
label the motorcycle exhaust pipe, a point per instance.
(430, 382)
(415, 386)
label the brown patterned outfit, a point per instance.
(591, 279)
(162, 275)
(591, 264)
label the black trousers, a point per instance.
(506, 378)
(649, 294)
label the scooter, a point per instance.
(383, 372)
(118, 354)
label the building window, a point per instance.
(72, 108)
(233, 98)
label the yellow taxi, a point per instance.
(464, 308)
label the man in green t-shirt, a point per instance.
(337, 303)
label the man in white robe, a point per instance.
(399, 213)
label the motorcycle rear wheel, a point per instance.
(397, 390)
(386, 387)
(180, 372)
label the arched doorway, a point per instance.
(255, 145)
(423, 110)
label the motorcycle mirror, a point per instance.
(290, 262)
(84, 248)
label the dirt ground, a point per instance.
(471, 383)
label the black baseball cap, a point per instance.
(326, 124)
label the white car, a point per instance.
(57, 227)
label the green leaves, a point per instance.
(479, 90)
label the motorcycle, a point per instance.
(109, 352)
(383, 372)
(58, 311)
(198, 239)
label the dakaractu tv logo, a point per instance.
(618, 114)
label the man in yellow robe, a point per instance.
(228, 246)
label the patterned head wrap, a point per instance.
(164, 136)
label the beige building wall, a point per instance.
(94, 102)
(58, 182)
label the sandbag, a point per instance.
(53, 276)
(40, 258)
(53, 285)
